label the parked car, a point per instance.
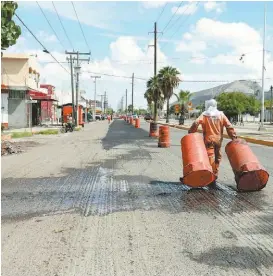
(98, 117)
(135, 116)
(148, 117)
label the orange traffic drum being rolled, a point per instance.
(153, 130)
(164, 137)
(249, 173)
(197, 171)
(137, 123)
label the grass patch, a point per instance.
(48, 132)
(21, 134)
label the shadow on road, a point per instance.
(117, 135)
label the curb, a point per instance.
(248, 139)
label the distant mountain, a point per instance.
(245, 86)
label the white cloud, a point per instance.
(192, 47)
(219, 7)
(187, 36)
(187, 9)
(234, 39)
(153, 4)
(44, 36)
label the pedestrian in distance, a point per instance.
(213, 122)
(109, 119)
(241, 121)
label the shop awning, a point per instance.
(38, 95)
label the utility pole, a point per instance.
(133, 76)
(126, 102)
(77, 71)
(77, 90)
(95, 95)
(262, 128)
(104, 102)
(271, 103)
(72, 88)
(155, 32)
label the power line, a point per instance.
(50, 24)
(62, 26)
(81, 27)
(44, 48)
(179, 17)
(162, 12)
(192, 81)
(172, 17)
(181, 24)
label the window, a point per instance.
(17, 94)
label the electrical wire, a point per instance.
(62, 25)
(44, 48)
(50, 24)
(180, 25)
(161, 12)
(81, 28)
(171, 18)
(192, 81)
(179, 17)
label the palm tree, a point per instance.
(183, 98)
(169, 80)
(149, 97)
(156, 93)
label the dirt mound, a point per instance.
(8, 148)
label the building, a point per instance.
(20, 82)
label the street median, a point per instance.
(247, 138)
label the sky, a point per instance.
(204, 40)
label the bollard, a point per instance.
(153, 130)
(197, 171)
(249, 173)
(137, 123)
(164, 137)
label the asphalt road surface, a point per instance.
(107, 201)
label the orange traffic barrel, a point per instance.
(137, 123)
(197, 171)
(249, 173)
(164, 137)
(153, 130)
(131, 120)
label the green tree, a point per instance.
(183, 98)
(169, 79)
(154, 92)
(253, 106)
(130, 108)
(237, 103)
(9, 30)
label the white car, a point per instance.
(135, 116)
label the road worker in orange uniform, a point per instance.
(213, 122)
